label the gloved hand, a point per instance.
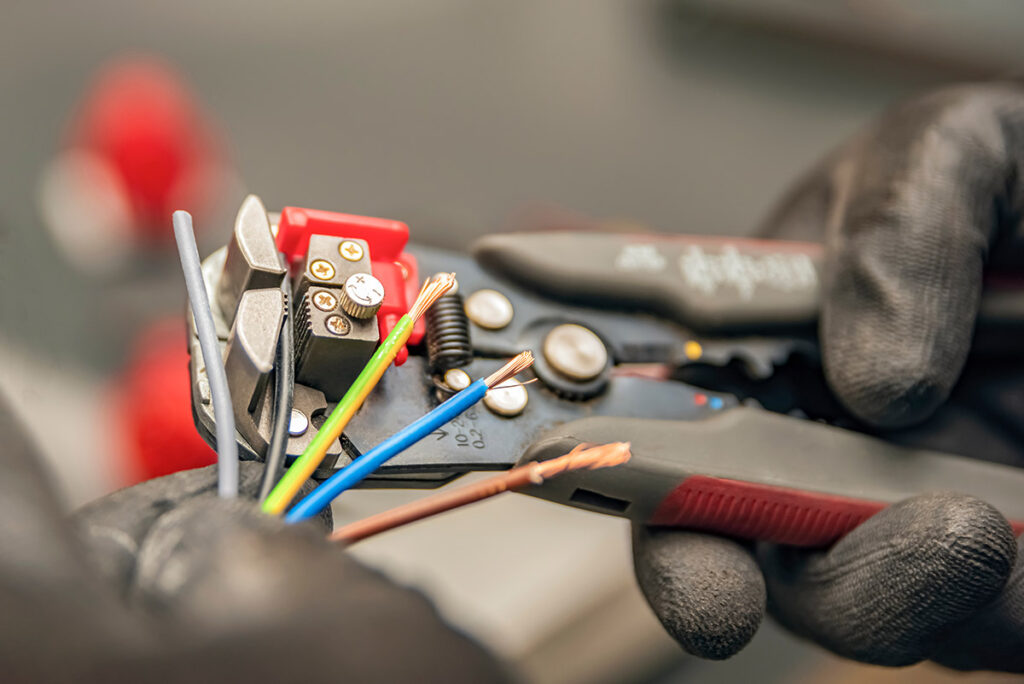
(164, 582)
(913, 211)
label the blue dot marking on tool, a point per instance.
(715, 403)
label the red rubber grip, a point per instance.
(755, 511)
(764, 512)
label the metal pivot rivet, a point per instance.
(324, 300)
(298, 423)
(338, 325)
(508, 400)
(322, 269)
(350, 251)
(457, 379)
(489, 309)
(575, 352)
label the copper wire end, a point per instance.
(433, 289)
(583, 457)
(516, 383)
(517, 365)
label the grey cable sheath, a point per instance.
(223, 414)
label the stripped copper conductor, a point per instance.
(517, 365)
(583, 457)
(432, 290)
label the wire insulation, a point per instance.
(307, 463)
(354, 473)
(284, 395)
(202, 314)
(304, 466)
(579, 458)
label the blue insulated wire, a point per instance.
(354, 473)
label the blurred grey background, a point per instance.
(461, 117)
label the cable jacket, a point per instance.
(284, 394)
(223, 414)
(307, 463)
(359, 469)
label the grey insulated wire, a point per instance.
(283, 399)
(223, 414)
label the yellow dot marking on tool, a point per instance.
(693, 350)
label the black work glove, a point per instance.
(164, 582)
(912, 212)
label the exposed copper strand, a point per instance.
(582, 457)
(432, 290)
(518, 364)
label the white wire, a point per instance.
(223, 414)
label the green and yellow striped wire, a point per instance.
(306, 464)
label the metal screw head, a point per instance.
(575, 351)
(298, 423)
(489, 309)
(324, 300)
(508, 400)
(350, 251)
(338, 325)
(457, 379)
(322, 269)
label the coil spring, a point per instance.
(448, 344)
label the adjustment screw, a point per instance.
(321, 269)
(338, 325)
(350, 251)
(362, 295)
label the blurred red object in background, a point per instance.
(139, 117)
(153, 403)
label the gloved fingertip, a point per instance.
(981, 546)
(885, 388)
(707, 591)
(890, 591)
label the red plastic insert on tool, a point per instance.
(393, 267)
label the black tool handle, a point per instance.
(710, 284)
